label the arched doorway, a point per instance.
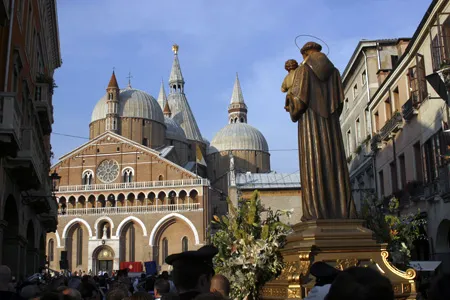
(103, 260)
(10, 244)
(443, 244)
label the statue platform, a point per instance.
(342, 244)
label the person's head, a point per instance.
(71, 294)
(440, 288)
(5, 277)
(324, 273)
(309, 48)
(220, 284)
(116, 294)
(161, 287)
(360, 283)
(31, 291)
(165, 275)
(210, 296)
(290, 64)
(141, 296)
(192, 270)
(89, 291)
(51, 296)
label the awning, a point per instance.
(427, 266)
(438, 85)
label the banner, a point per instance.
(134, 267)
(200, 159)
(150, 268)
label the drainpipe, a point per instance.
(378, 56)
(8, 51)
(367, 75)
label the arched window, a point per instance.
(242, 120)
(184, 244)
(51, 250)
(79, 246)
(131, 243)
(88, 177)
(128, 175)
(110, 96)
(161, 178)
(165, 249)
(235, 120)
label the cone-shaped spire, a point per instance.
(176, 77)
(237, 110)
(162, 98)
(113, 81)
(237, 96)
(167, 111)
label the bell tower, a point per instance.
(237, 110)
(112, 116)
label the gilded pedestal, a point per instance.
(341, 243)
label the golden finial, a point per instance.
(175, 48)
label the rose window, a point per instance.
(108, 170)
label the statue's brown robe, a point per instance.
(315, 102)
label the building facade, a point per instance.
(361, 79)
(29, 51)
(139, 189)
(276, 190)
(409, 114)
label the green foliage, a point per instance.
(398, 231)
(249, 239)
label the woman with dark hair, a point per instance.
(359, 283)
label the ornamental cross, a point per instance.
(129, 79)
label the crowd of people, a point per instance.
(193, 278)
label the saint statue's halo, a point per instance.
(314, 37)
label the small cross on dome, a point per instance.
(129, 79)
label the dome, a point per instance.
(174, 131)
(238, 136)
(132, 103)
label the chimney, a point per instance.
(401, 46)
(381, 75)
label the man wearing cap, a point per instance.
(192, 271)
(325, 275)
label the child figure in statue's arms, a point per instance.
(290, 66)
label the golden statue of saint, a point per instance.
(314, 99)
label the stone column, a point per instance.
(3, 225)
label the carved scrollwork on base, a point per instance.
(294, 293)
(342, 264)
(409, 274)
(290, 269)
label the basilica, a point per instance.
(147, 183)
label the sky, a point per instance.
(216, 39)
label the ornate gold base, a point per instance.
(342, 244)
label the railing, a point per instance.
(131, 209)
(375, 142)
(444, 182)
(134, 185)
(409, 109)
(33, 149)
(10, 115)
(394, 124)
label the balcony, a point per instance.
(10, 117)
(134, 185)
(49, 219)
(30, 166)
(375, 143)
(409, 109)
(394, 124)
(131, 210)
(43, 107)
